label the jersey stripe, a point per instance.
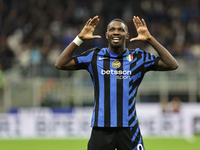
(120, 97)
(96, 82)
(136, 77)
(106, 66)
(113, 97)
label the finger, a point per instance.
(139, 21)
(96, 36)
(135, 23)
(95, 24)
(144, 23)
(133, 39)
(88, 21)
(93, 21)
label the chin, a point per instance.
(116, 45)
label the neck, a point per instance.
(117, 50)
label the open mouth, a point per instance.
(115, 39)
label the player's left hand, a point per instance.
(141, 27)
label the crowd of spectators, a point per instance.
(33, 33)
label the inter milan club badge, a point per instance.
(129, 57)
(116, 64)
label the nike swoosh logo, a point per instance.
(101, 58)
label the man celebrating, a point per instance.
(116, 73)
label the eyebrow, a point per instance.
(117, 28)
(120, 28)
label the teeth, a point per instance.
(116, 39)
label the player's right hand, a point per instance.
(88, 30)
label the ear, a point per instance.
(127, 35)
(106, 35)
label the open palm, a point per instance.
(88, 30)
(143, 32)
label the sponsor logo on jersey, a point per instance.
(101, 58)
(119, 74)
(116, 72)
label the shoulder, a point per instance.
(92, 50)
(100, 51)
(137, 50)
(96, 49)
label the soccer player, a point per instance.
(116, 73)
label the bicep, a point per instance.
(69, 66)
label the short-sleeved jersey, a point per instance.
(116, 79)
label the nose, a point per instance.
(116, 32)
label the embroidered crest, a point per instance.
(129, 57)
(116, 64)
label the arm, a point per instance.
(65, 61)
(167, 61)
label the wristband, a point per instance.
(78, 41)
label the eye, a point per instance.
(120, 29)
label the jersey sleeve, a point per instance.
(150, 61)
(83, 60)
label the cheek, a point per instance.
(108, 37)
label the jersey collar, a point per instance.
(112, 54)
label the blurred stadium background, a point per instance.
(39, 102)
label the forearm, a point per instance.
(65, 61)
(169, 62)
(66, 56)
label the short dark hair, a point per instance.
(120, 20)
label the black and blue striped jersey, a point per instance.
(116, 79)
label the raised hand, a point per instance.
(141, 27)
(88, 30)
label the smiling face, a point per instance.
(117, 33)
